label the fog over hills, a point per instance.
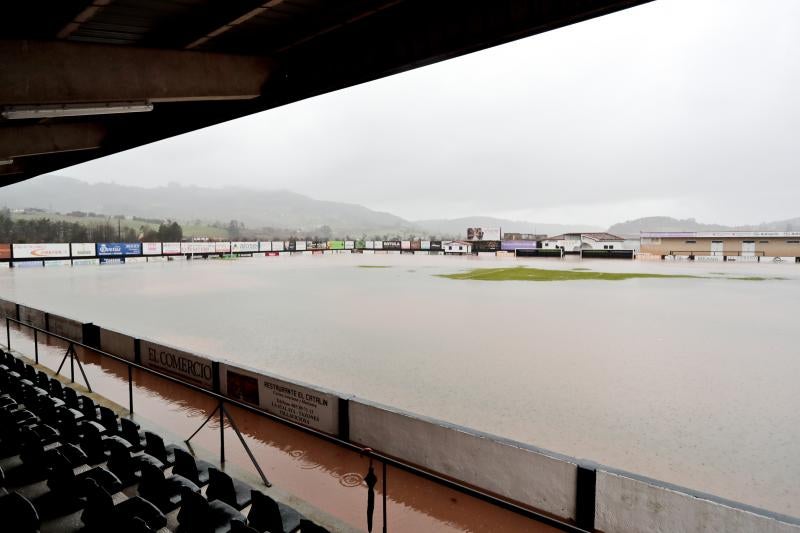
(294, 212)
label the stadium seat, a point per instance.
(126, 466)
(130, 432)
(198, 515)
(102, 515)
(268, 515)
(224, 488)
(165, 492)
(307, 526)
(195, 470)
(155, 447)
(18, 514)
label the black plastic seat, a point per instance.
(56, 389)
(307, 526)
(165, 492)
(126, 466)
(110, 420)
(18, 514)
(89, 409)
(195, 470)
(155, 447)
(130, 432)
(72, 398)
(237, 526)
(198, 515)
(268, 515)
(68, 481)
(102, 515)
(223, 487)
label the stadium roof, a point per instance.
(85, 78)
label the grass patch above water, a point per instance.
(540, 274)
(374, 266)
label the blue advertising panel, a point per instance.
(119, 248)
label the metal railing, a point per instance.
(223, 413)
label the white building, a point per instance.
(575, 242)
(456, 247)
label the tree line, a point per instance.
(46, 230)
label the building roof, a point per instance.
(718, 234)
(594, 236)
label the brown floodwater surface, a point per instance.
(691, 381)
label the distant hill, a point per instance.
(633, 227)
(458, 226)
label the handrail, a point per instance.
(385, 459)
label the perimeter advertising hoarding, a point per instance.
(82, 249)
(265, 246)
(5, 251)
(483, 234)
(40, 251)
(66, 327)
(436, 245)
(223, 247)
(300, 246)
(391, 245)
(369, 245)
(277, 246)
(112, 260)
(405, 245)
(518, 245)
(485, 246)
(425, 245)
(151, 248)
(119, 248)
(292, 246)
(299, 403)
(241, 247)
(361, 244)
(198, 248)
(335, 245)
(183, 365)
(118, 344)
(8, 308)
(170, 248)
(84, 262)
(377, 245)
(416, 245)
(58, 263)
(349, 245)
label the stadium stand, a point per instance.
(68, 464)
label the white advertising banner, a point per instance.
(170, 248)
(183, 365)
(222, 247)
(378, 245)
(483, 234)
(300, 246)
(40, 251)
(151, 248)
(265, 246)
(244, 247)
(405, 245)
(129, 260)
(58, 263)
(84, 262)
(298, 403)
(425, 245)
(82, 249)
(349, 245)
(198, 248)
(369, 245)
(277, 246)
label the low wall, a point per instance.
(32, 316)
(626, 504)
(508, 469)
(66, 327)
(187, 366)
(118, 344)
(8, 309)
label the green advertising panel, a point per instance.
(360, 245)
(335, 245)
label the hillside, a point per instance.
(457, 226)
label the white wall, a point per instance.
(502, 467)
(627, 505)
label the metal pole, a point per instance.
(221, 433)
(71, 365)
(36, 345)
(385, 527)
(247, 448)
(130, 390)
(8, 333)
(202, 425)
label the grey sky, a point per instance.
(678, 107)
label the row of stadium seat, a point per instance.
(61, 454)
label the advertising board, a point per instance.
(40, 251)
(222, 247)
(292, 246)
(349, 245)
(5, 251)
(57, 262)
(300, 246)
(198, 248)
(405, 245)
(135, 260)
(277, 246)
(377, 245)
(416, 245)
(335, 245)
(292, 401)
(151, 248)
(485, 246)
(84, 262)
(27, 264)
(112, 260)
(170, 248)
(82, 249)
(119, 248)
(241, 247)
(483, 234)
(265, 246)
(436, 245)
(369, 245)
(184, 365)
(391, 245)
(425, 245)
(360, 244)
(518, 245)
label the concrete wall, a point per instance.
(32, 316)
(628, 505)
(508, 469)
(118, 344)
(66, 327)
(8, 308)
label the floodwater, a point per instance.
(690, 381)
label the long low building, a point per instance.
(733, 244)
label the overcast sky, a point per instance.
(678, 107)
